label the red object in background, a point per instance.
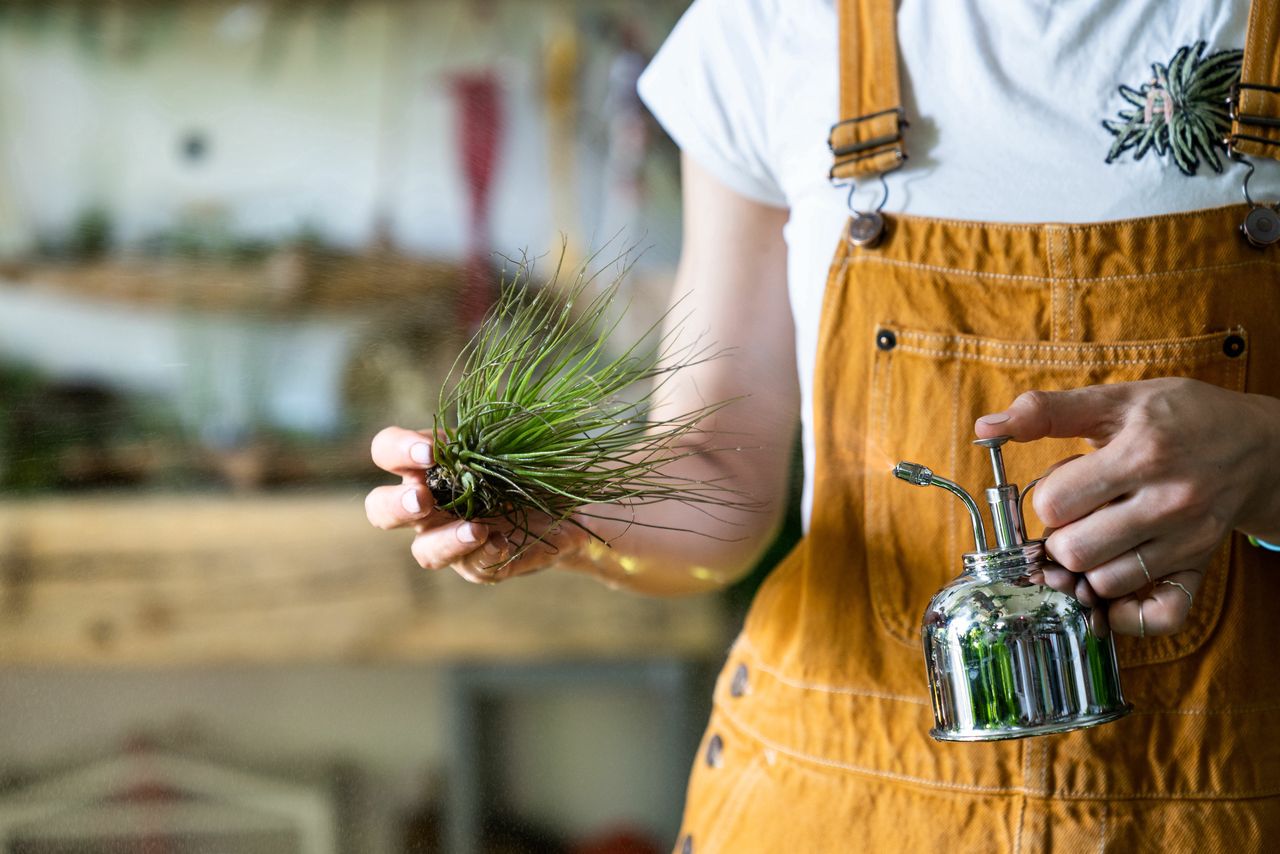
(478, 98)
(618, 842)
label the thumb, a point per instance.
(1093, 412)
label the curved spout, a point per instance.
(919, 475)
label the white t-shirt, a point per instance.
(1007, 101)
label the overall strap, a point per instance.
(1255, 100)
(868, 138)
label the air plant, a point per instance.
(535, 424)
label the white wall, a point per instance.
(350, 116)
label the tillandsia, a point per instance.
(542, 423)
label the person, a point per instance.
(1060, 258)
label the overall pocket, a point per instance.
(927, 389)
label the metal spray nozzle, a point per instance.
(913, 473)
(919, 475)
(1004, 498)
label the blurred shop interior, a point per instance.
(236, 239)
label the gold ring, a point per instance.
(1142, 623)
(1190, 599)
(1142, 563)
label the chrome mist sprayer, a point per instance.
(1008, 656)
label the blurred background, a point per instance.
(236, 238)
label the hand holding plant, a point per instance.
(537, 436)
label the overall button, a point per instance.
(1233, 346)
(866, 229)
(886, 340)
(1261, 227)
(738, 685)
(715, 751)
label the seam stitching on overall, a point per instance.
(1102, 830)
(1070, 268)
(955, 457)
(1069, 265)
(1053, 286)
(746, 648)
(1028, 277)
(1164, 797)
(887, 374)
(1208, 713)
(848, 766)
(1058, 285)
(894, 625)
(1074, 226)
(1210, 343)
(1022, 817)
(1044, 768)
(749, 650)
(1008, 360)
(1026, 772)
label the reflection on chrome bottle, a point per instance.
(1007, 656)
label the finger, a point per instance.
(1059, 464)
(1124, 574)
(1035, 486)
(488, 563)
(438, 547)
(1093, 412)
(1086, 594)
(401, 451)
(474, 576)
(1163, 612)
(389, 507)
(1062, 580)
(1103, 535)
(1077, 487)
(557, 545)
(1066, 581)
(1100, 620)
(433, 521)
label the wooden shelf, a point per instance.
(289, 280)
(181, 580)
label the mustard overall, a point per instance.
(819, 736)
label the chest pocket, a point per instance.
(925, 391)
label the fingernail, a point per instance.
(421, 454)
(995, 418)
(470, 533)
(410, 501)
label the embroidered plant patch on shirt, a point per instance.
(1181, 111)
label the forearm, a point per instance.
(741, 453)
(730, 292)
(672, 549)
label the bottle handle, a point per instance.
(1023, 497)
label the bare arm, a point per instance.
(731, 287)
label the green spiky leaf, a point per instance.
(544, 419)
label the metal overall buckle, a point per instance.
(867, 227)
(1261, 226)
